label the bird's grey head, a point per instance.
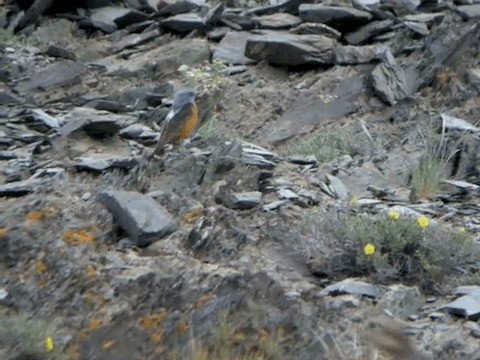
(184, 96)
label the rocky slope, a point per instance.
(327, 207)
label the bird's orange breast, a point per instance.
(190, 124)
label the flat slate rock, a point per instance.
(101, 162)
(284, 48)
(339, 17)
(454, 123)
(469, 12)
(96, 123)
(184, 23)
(61, 73)
(389, 81)
(316, 29)
(307, 111)
(277, 21)
(232, 48)
(467, 306)
(139, 215)
(111, 18)
(365, 33)
(473, 290)
(19, 188)
(352, 287)
(244, 200)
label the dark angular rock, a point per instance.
(232, 49)
(108, 105)
(178, 7)
(60, 52)
(61, 73)
(244, 200)
(238, 22)
(467, 306)
(277, 21)
(111, 18)
(339, 17)
(184, 23)
(389, 81)
(102, 162)
(8, 98)
(365, 33)
(289, 49)
(20, 188)
(139, 215)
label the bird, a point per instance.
(181, 122)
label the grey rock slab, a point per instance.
(336, 186)
(108, 105)
(353, 55)
(244, 200)
(365, 33)
(232, 48)
(7, 97)
(307, 28)
(177, 7)
(132, 40)
(184, 23)
(283, 48)
(61, 73)
(277, 21)
(469, 12)
(454, 123)
(307, 111)
(101, 162)
(274, 205)
(138, 132)
(473, 290)
(429, 19)
(401, 300)
(303, 160)
(389, 81)
(41, 121)
(464, 185)
(60, 52)
(94, 122)
(111, 18)
(419, 28)
(339, 17)
(353, 287)
(288, 6)
(19, 188)
(287, 194)
(467, 306)
(139, 215)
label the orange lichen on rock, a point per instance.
(153, 321)
(34, 216)
(107, 345)
(191, 217)
(157, 336)
(40, 267)
(3, 232)
(91, 272)
(79, 237)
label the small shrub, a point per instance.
(389, 247)
(28, 336)
(427, 177)
(329, 145)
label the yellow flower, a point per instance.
(354, 201)
(369, 249)
(423, 221)
(49, 345)
(394, 215)
(461, 229)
